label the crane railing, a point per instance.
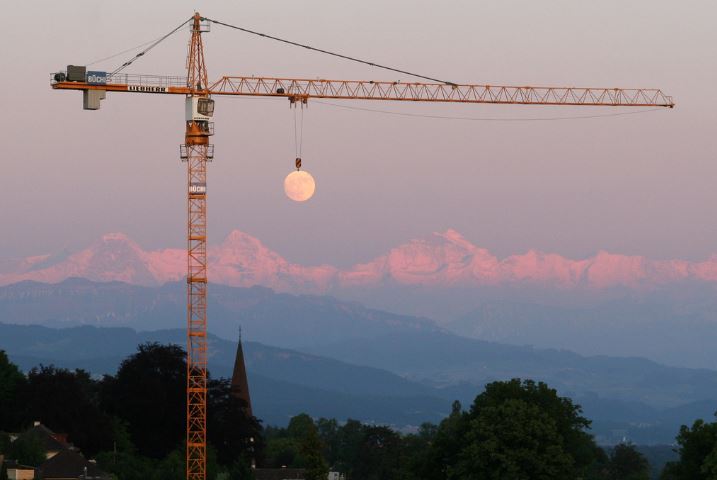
(148, 80)
(135, 79)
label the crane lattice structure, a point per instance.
(197, 152)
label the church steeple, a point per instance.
(240, 384)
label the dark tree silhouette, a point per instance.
(514, 429)
(68, 402)
(148, 393)
(235, 435)
(27, 450)
(626, 463)
(698, 453)
(12, 382)
(379, 455)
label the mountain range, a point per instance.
(608, 304)
(441, 260)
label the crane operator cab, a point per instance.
(198, 113)
(205, 106)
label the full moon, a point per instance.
(299, 186)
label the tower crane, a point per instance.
(197, 152)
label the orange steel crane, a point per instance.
(197, 152)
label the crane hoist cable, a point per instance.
(327, 52)
(298, 131)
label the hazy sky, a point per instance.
(635, 184)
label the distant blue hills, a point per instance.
(339, 359)
(268, 317)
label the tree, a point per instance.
(12, 382)
(350, 437)
(212, 464)
(234, 434)
(303, 439)
(68, 402)
(513, 439)
(148, 393)
(447, 444)
(4, 442)
(171, 467)
(121, 438)
(417, 460)
(123, 460)
(709, 466)
(514, 429)
(696, 448)
(4, 449)
(298, 446)
(126, 465)
(299, 425)
(311, 448)
(598, 469)
(626, 463)
(240, 470)
(329, 433)
(379, 455)
(282, 451)
(27, 450)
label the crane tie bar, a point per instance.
(130, 61)
(319, 50)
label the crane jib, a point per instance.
(303, 89)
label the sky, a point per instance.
(634, 184)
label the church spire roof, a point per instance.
(240, 384)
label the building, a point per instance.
(289, 474)
(70, 465)
(62, 460)
(15, 471)
(279, 474)
(53, 443)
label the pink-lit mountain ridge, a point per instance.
(442, 260)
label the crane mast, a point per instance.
(197, 152)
